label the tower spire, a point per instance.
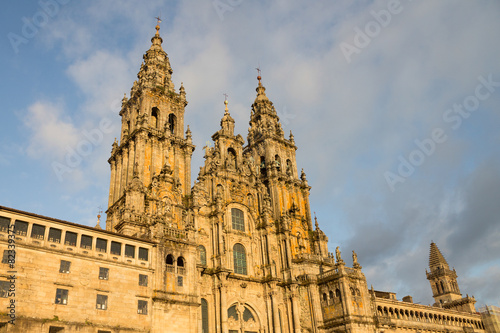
(436, 259)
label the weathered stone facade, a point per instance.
(237, 252)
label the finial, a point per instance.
(99, 218)
(316, 221)
(225, 103)
(258, 77)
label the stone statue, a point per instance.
(354, 258)
(337, 255)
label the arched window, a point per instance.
(240, 259)
(337, 293)
(180, 262)
(277, 162)
(331, 295)
(442, 286)
(154, 117)
(237, 219)
(180, 266)
(289, 167)
(170, 264)
(203, 255)
(247, 315)
(325, 298)
(232, 313)
(231, 159)
(171, 123)
(204, 316)
(263, 165)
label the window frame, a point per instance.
(103, 273)
(4, 289)
(101, 302)
(65, 266)
(240, 259)
(143, 280)
(143, 310)
(62, 295)
(237, 222)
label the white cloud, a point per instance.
(51, 130)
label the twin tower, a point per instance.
(237, 252)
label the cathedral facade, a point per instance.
(237, 252)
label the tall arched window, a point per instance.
(442, 287)
(240, 259)
(170, 263)
(171, 123)
(204, 316)
(277, 162)
(180, 266)
(203, 254)
(154, 117)
(238, 219)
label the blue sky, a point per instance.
(394, 107)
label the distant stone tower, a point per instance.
(444, 284)
(151, 164)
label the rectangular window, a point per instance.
(129, 251)
(38, 231)
(65, 266)
(143, 280)
(142, 307)
(5, 257)
(103, 273)
(143, 254)
(62, 296)
(4, 224)
(21, 228)
(4, 289)
(101, 245)
(116, 248)
(102, 302)
(70, 238)
(86, 242)
(180, 281)
(55, 235)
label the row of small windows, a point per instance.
(70, 239)
(62, 297)
(332, 297)
(427, 317)
(277, 164)
(65, 268)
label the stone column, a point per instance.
(131, 162)
(112, 183)
(223, 307)
(274, 303)
(295, 307)
(124, 170)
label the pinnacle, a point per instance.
(436, 259)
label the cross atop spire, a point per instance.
(158, 21)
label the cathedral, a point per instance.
(237, 252)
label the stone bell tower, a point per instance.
(285, 192)
(150, 165)
(444, 284)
